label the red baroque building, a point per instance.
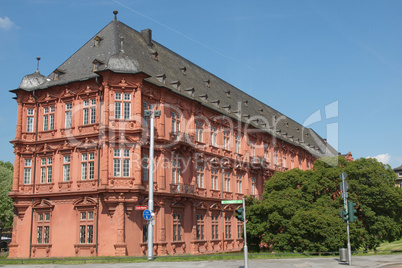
(82, 144)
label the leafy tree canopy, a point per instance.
(6, 203)
(300, 210)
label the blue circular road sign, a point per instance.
(146, 214)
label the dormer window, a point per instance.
(227, 108)
(190, 91)
(227, 93)
(245, 102)
(97, 40)
(261, 111)
(155, 55)
(57, 73)
(207, 83)
(96, 64)
(216, 102)
(176, 84)
(204, 97)
(161, 78)
(183, 70)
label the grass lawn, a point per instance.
(396, 245)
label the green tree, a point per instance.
(300, 209)
(6, 203)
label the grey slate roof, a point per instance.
(398, 168)
(125, 50)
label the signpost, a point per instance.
(228, 202)
(146, 214)
(152, 115)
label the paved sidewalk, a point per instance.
(386, 261)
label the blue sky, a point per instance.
(339, 59)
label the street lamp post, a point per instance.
(151, 114)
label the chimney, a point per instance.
(147, 35)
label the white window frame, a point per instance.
(66, 168)
(121, 163)
(27, 171)
(214, 178)
(30, 119)
(68, 119)
(88, 166)
(46, 170)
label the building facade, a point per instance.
(398, 171)
(82, 152)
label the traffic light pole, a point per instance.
(345, 202)
(245, 235)
(349, 248)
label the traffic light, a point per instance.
(239, 214)
(351, 211)
(344, 215)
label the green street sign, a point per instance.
(225, 202)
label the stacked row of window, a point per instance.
(227, 184)
(86, 228)
(121, 166)
(46, 168)
(278, 158)
(48, 122)
(201, 229)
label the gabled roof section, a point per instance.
(122, 49)
(398, 168)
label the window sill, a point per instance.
(67, 129)
(177, 242)
(52, 131)
(85, 245)
(66, 185)
(42, 245)
(122, 120)
(93, 126)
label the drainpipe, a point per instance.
(99, 140)
(222, 174)
(34, 171)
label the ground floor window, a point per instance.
(145, 233)
(43, 228)
(86, 234)
(215, 226)
(228, 227)
(239, 229)
(43, 235)
(176, 227)
(86, 227)
(200, 227)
